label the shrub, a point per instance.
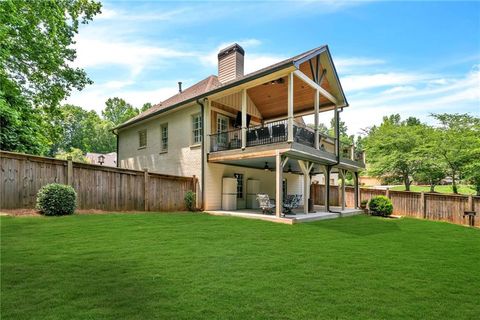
(380, 206)
(56, 200)
(190, 199)
(363, 203)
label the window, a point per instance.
(164, 131)
(142, 139)
(222, 126)
(197, 128)
(239, 177)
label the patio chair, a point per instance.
(265, 203)
(263, 135)
(278, 132)
(291, 201)
(251, 137)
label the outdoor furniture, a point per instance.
(291, 201)
(265, 203)
(263, 134)
(278, 132)
(251, 136)
(471, 217)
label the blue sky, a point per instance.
(412, 58)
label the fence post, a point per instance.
(69, 171)
(146, 188)
(423, 205)
(470, 203)
(387, 193)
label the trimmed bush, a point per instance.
(56, 200)
(380, 206)
(363, 204)
(190, 199)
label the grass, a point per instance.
(194, 266)
(462, 189)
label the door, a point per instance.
(222, 126)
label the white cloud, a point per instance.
(369, 81)
(100, 50)
(347, 64)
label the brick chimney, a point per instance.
(230, 63)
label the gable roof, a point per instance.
(212, 85)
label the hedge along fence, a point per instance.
(431, 206)
(98, 187)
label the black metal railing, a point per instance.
(277, 131)
(272, 132)
(227, 140)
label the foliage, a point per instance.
(472, 174)
(146, 106)
(36, 51)
(84, 130)
(56, 200)
(363, 203)
(118, 111)
(22, 128)
(391, 148)
(190, 266)
(76, 155)
(457, 143)
(190, 200)
(462, 189)
(380, 206)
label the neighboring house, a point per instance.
(109, 159)
(247, 127)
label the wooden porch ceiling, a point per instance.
(271, 98)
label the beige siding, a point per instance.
(234, 101)
(215, 172)
(230, 67)
(182, 158)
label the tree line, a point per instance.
(409, 150)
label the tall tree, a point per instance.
(391, 149)
(458, 143)
(36, 46)
(118, 111)
(146, 106)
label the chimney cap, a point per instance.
(230, 49)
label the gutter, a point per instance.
(202, 183)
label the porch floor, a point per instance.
(299, 217)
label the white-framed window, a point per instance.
(164, 136)
(197, 129)
(239, 178)
(222, 126)
(142, 139)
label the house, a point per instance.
(104, 159)
(248, 128)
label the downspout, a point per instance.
(116, 148)
(202, 183)
(337, 161)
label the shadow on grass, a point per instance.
(361, 226)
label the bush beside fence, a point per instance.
(431, 206)
(98, 187)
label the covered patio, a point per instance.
(298, 217)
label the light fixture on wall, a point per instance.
(101, 159)
(266, 167)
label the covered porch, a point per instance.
(298, 217)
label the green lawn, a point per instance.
(462, 189)
(194, 266)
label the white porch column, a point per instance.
(326, 174)
(290, 107)
(342, 172)
(357, 190)
(278, 185)
(316, 106)
(244, 118)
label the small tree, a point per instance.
(380, 206)
(190, 199)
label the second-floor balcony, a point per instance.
(277, 132)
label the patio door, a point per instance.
(222, 127)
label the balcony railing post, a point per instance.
(290, 107)
(352, 152)
(244, 119)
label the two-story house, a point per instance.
(246, 127)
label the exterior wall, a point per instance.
(182, 158)
(320, 178)
(214, 173)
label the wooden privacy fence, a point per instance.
(431, 206)
(97, 187)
